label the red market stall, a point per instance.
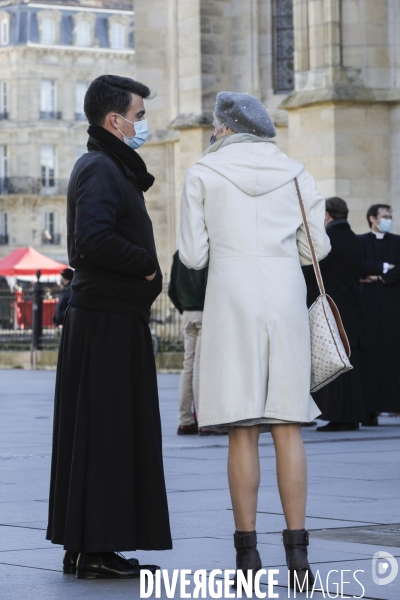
(23, 308)
(28, 261)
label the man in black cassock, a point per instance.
(342, 401)
(107, 490)
(381, 300)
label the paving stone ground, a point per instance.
(353, 508)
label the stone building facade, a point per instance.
(49, 53)
(327, 70)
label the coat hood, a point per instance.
(254, 167)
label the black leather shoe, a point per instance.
(108, 565)
(188, 429)
(296, 542)
(336, 426)
(247, 555)
(70, 560)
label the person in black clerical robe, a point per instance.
(341, 401)
(107, 488)
(381, 301)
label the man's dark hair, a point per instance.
(373, 211)
(336, 208)
(108, 93)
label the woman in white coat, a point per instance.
(240, 215)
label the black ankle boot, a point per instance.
(247, 556)
(296, 542)
(69, 562)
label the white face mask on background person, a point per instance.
(385, 225)
(141, 133)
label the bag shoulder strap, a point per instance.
(310, 240)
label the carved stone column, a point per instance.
(156, 65)
(344, 115)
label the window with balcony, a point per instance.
(5, 31)
(48, 166)
(83, 33)
(4, 175)
(3, 100)
(4, 233)
(48, 100)
(81, 89)
(117, 35)
(48, 31)
(50, 233)
(283, 46)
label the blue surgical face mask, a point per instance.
(385, 225)
(141, 133)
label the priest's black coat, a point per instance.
(107, 489)
(381, 301)
(342, 400)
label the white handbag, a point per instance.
(330, 348)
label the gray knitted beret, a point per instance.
(244, 114)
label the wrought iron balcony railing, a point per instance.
(33, 185)
(50, 114)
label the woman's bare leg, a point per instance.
(244, 475)
(291, 470)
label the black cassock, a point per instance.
(381, 302)
(107, 488)
(342, 400)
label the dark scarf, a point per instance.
(113, 146)
(337, 222)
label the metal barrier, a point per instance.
(26, 319)
(24, 327)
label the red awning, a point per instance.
(27, 261)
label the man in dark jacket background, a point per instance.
(107, 490)
(342, 401)
(187, 290)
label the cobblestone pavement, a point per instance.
(353, 508)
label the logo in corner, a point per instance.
(384, 568)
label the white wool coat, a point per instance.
(240, 215)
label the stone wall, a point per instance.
(343, 119)
(395, 163)
(346, 149)
(187, 51)
(343, 115)
(26, 223)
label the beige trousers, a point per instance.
(189, 384)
